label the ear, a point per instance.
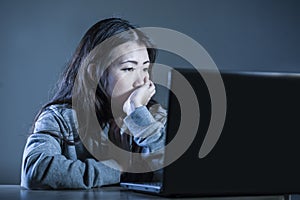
(92, 72)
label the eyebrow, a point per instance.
(134, 62)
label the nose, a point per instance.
(139, 79)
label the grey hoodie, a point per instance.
(51, 163)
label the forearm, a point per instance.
(45, 167)
(147, 131)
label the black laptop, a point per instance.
(258, 149)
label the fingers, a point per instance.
(141, 95)
(152, 88)
(149, 85)
(151, 95)
(151, 91)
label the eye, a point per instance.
(128, 69)
(146, 69)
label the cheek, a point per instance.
(112, 80)
(110, 85)
(120, 87)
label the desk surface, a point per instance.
(8, 192)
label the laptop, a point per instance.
(257, 150)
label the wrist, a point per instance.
(132, 107)
(136, 105)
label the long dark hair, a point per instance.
(89, 64)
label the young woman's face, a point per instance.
(128, 71)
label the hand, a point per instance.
(139, 97)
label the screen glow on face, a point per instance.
(129, 71)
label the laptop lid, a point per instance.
(257, 151)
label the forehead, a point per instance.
(128, 50)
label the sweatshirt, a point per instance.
(50, 162)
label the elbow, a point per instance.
(29, 176)
(28, 180)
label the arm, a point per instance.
(45, 165)
(148, 126)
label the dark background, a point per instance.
(38, 37)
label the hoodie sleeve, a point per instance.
(44, 165)
(148, 126)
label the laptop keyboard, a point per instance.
(157, 184)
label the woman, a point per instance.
(101, 111)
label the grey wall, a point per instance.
(38, 37)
